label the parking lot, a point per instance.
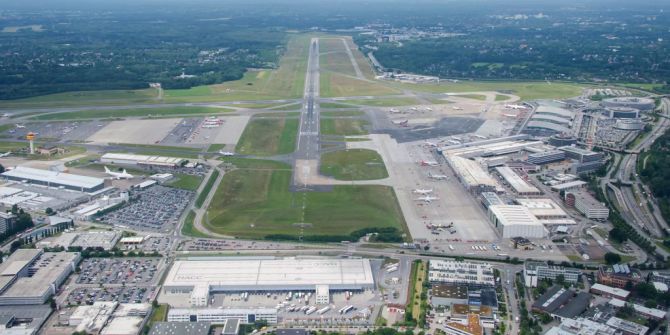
(123, 271)
(157, 208)
(214, 245)
(89, 295)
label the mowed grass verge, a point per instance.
(132, 112)
(266, 137)
(384, 102)
(186, 182)
(200, 200)
(526, 90)
(353, 164)
(333, 84)
(343, 127)
(254, 202)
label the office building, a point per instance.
(533, 272)
(586, 204)
(618, 275)
(472, 275)
(218, 316)
(546, 157)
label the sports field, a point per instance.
(133, 112)
(353, 164)
(255, 201)
(266, 137)
(343, 127)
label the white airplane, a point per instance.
(118, 175)
(402, 123)
(428, 163)
(6, 154)
(430, 144)
(427, 199)
(226, 153)
(423, 191)
(456, 108)
(437, 176)
(515, 106)
(19, 126)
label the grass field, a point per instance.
(120, 113)
(254, 201)
(479, 97)
(82, 98)
(334, 57)
(186, 181)
(384, 102)
(343, 127)
(215, 147)
(353, 164)
(501, 97)
(525, 90)
(333, 105)
(334, 84)
(202, 196)
(353, 112)
(189, 229)
(11, 146)
(291, 107)
(265, 137)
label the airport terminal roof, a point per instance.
(53, 177)
(509, 215)
(547, 125)
(475, 149)
(553, 110)
(471, 173)
(544, 207)
(515, 181)
(270, 273)
(550, 118)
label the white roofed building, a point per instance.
(55, 179)
(516, 221)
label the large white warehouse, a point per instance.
(516, 221)
(202, 277)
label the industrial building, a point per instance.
(23, 320)
(219, 316)
(544, 209)
(473, 176)
(55, 179)
(142, 160)
(581, 326)
(609, 292)
(568, 186)
(31, 276)
(561, 303)
(587, 204)
(199, 278)
(448, 294)
(472, 275)
(520, 186)
(581, 155)
(533, 272)
(644, 104)
(546, 157)
(516, 221)
(618, 275)
(185, 328)
(491, 199)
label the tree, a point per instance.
(618, 235)
(49, 211)
(612, 258)
(560, 279)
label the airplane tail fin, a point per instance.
(124, 171)
(107, 170)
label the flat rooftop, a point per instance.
(544, 207)
(260, 274)
(514, 215)
(515, 181)
(53, 177)
(49, 266)
(15, 263)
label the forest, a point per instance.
(656, 172)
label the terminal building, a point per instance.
(644, 104)
(582, 155)
(143, 160)
(199, 278)
(516, 221)
(55, 179)
(472, 275)
(31, 276)
(546, 157)
(520, 186)
(622, 113)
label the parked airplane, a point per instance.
(430, 144)
(118, 175)
(427, 199)
(423, 191)
(226, 153)
(428, 163)
(437, 176)
(456, 108)
(20, 126)
(6, 154)
(515, 106)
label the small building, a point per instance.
(448, 294)
(145, 184)
(162, 177)
(322, 295)
(50, 151)
(515, 220)
(533, 272)
(568, 186)
(609, 292)
(618, 275)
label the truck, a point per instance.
(346, 309)
(310, 310)
(392, 269)
(323, 310)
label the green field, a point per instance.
(202, 196)
(384, 102)
(479, 97)
(254, 201)
(501, 97)
(82, 98)
(189, 229)
(186, 182)
(525, 90)
(334, 84)
(266, 137)
(12, 146)
(351, 112)
(334, 105)
(132, 112)
(353, 164)
(343, 127)
(334, 57)
(291, 107)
